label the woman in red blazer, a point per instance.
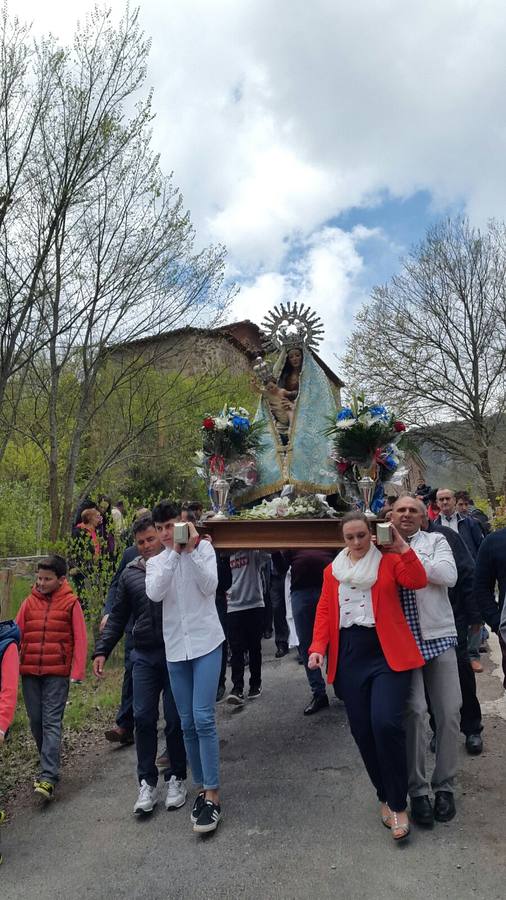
(360, 625)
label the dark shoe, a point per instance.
(209, 817)
(254, 692)
(422, 812)
(474, 744)
(119, 735)
(281, 651)
(236, 697)
(319, 701)
(220, 694)
(432, 744)
(444, 806)
(197, 807)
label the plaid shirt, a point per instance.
(433, 647)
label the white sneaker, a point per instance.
(176, 793)
(147, 799)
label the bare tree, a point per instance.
(118, 260)
(25, 92)
(433, 344)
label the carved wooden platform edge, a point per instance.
(274, 534)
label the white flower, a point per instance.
(221, 423)
(345, 423)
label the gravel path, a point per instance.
(300, 819)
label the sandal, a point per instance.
(402, 829)
(386, 818)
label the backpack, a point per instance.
(9, 634)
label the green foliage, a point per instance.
(499, 517)
(24, 519)
(20, 591)
(91, 575)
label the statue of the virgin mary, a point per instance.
(297, 402)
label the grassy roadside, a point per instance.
(91, 707)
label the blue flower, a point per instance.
(345, 413)
(240, 423)
(390, 462)
(378, 412)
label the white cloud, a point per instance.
(277, 115)
(325, 274)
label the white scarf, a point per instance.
(362, 574)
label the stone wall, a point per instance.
(194, 353)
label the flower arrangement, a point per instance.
(367, 436)
(227, 460)
(308, 506)
(227, 437)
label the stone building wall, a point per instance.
(193, 353)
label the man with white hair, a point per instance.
(430, 616)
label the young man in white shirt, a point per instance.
(184, 578)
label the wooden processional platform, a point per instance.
(273, 534)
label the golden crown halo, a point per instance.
(289, 326)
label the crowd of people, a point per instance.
(396, 626)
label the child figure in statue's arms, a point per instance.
(281, 404)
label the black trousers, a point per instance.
(375, 698)
(125, 714)
(221, 609)
(277, 603)
(245, 628)
(470, 711)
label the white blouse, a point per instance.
(355, 607)
(186, 585)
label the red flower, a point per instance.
(399, 426)
(208, 423)
(343, 466)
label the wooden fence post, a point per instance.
(6, 584)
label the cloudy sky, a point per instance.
(319, 140)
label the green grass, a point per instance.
(20, 590)
(91, 706)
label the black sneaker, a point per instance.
(254, 692)
(197, 807)
(236, 697)
(209, 817)
(220, 694)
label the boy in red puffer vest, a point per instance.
(53, 651)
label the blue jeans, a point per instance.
(150, 679)
(304, 603)
(194, 685)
